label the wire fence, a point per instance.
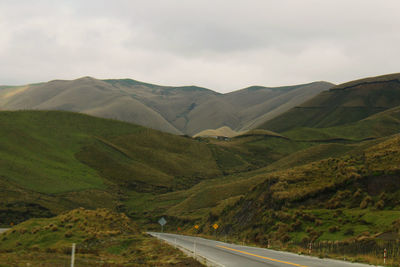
(377, 249)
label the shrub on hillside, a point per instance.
(296, 225)
(365, 202)
(334, 229)
(318, 222)
(285, 238)
(380, 205)
(349, 231)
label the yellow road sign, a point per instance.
(215, 226)
(196, 226)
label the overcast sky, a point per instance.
(223, 45)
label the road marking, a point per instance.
(262, 257)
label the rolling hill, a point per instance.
(52, 161)
(178, 110)
(223, 131)
(342, 104)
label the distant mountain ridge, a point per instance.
(342, 104)
(179, 110)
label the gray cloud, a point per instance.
(224, 45)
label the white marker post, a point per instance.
(73, 255)
(175, 242)
(384, 256)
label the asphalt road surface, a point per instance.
(3, 230)
(230, 255)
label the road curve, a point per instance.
(230, 255)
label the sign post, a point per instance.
(162, 222)
(215, 226)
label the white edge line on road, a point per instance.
(190, 251)
(309, 256)
(285, 252)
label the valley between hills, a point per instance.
(98, 162)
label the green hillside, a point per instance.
(103, 238)
(57, 152)
(375, 126)
(342, 104)
(302, 203)
(52, 161)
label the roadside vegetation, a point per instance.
(103, 238)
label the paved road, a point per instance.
(229, 255)
(3, 230)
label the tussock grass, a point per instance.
(102, 237)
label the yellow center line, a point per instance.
(262, 257)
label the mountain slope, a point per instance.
(86, 95)
(51, 161)
(56, 152)
(178, 110)
(375, 126)
(342, 104)
(353, 195)
(261, 104)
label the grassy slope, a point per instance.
(342, 104)
(119, 150)
(214, 194)
(357, 192)
(53, 161)
(102, 237)
(378, 125)
(223, 131)
(93, 162)
(47, 151)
